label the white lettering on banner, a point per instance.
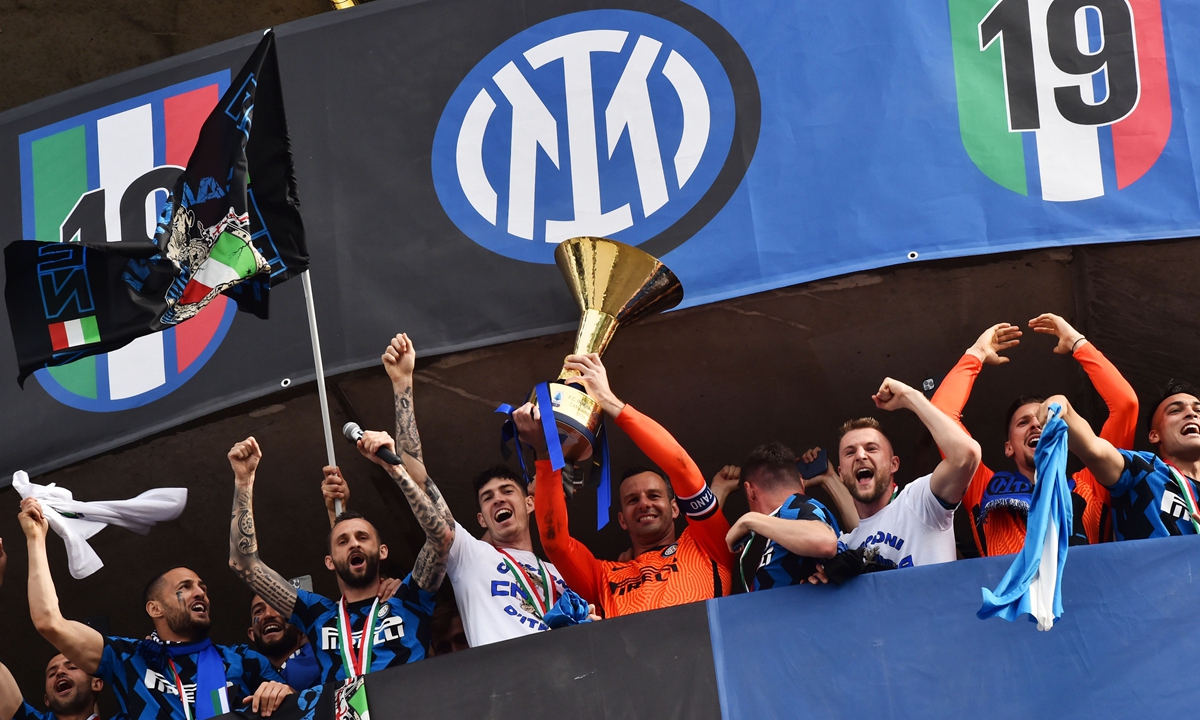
(391, 628)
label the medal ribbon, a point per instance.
(1189, 497)
(187, 712)
(541, 605)
(359, 663)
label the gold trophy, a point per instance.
(614, 284)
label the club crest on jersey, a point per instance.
(1063, 99)
(103, 177)
(606, 122)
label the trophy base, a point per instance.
(578, 418)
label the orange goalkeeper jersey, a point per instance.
(1001, 531)
(697, 566)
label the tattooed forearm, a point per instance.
(406, 424)
(430, 566)
(435, 496)
(244, 560)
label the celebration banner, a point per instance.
(444, 148)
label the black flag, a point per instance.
(216, 235)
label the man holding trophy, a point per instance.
(664, 570)
(616, 284)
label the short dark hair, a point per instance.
(638, 470)
(1016, 405)
(502, 472)
(1173, 387)
(774, 462)
(347, 515)
(155, 585)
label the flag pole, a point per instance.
(316, 346)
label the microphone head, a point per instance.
(352, 431)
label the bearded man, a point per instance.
(288, 649)
(176, 673)
(392, 631)
(915, 525)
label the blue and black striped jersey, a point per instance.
(145, 693)
(767, 564)
(1147, 501)
(402, 630)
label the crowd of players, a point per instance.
(503, 590)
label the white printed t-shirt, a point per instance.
(913, 529)
(489, 598)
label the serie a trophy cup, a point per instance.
(615, 284)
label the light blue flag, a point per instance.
(1033, 584)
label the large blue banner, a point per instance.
(443, 149)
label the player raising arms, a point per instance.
(175, 674)
(998, 502)
(664, 570)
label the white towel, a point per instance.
(75, 521)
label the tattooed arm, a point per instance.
(243, 543)
(430, 566)
(399, 359)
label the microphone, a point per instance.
(354, 433)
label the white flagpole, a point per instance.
(316, 346)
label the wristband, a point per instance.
(1075, 344)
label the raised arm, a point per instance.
(808, 538)
(430, 566)
(579, 567)
(243, 541)
(79, 643)
(960, 452)
(399, 359)
(1098, 454)
(955, 390)
(696, 500)
(1120, 428)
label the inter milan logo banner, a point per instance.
(442, 150)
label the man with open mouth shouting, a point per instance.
(913, 526)
(176, 673)
(70, 692)
(365, 630)
(1153, 493)
(288, 649)
(998, 502)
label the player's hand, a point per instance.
(594, 379)
(995, 340)
(371, 442)
(1043, 411)
(725, 482)
(334, 488)
(818, 578)
(528, 419)
(593, 616)
(1051, 324)
(33, 521)
(828, 475)
(892, 395)
(399, 359)
(244, 458)
(742, 528)
(388, 588)
(267, 698)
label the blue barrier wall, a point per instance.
(907, 644)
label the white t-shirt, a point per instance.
(913, 529)
(489, 597)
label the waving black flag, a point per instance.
(216, 235)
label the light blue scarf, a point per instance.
(1033, 584)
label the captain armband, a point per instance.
(700, 506)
